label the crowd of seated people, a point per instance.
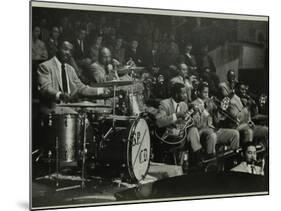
(177, 80)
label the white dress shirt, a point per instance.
(81, 44)
(248, 168)
(176, 108)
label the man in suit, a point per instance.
(118, 50)
(182, 76)
(250, 158)
(235, 108)
(133, 54)
(58, 81)
(52, 43)
(189, 59)
(204, 60)
(248, 130)
(206, 120)
(102, 70)
(39, 51)
(152, 58)
(173, 110)
(79, 46)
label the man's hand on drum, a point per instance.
(64, 97)
(107, 91)
(180, 115)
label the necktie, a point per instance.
(177, 107)
(82, 46)
(153, 57)
(64, 79)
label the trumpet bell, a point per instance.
(225, 103)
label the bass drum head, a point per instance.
(138, 150)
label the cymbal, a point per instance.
(126, 70)
(113, 83)
(260, 117)
(84, 104)
(119, 117)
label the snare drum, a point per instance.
(98, 113)
(126, 148)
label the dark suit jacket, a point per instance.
(190, 61)
(205, 61)
(151, 60)
(49, 81)
(77, 52)
(52, 47)
(164, 117)
(136, 56)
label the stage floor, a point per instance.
(97, 189)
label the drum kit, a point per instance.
(119, 142)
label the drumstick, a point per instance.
(73, 95)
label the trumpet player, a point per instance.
(248, 130)
(207, 117)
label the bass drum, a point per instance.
(126, 149)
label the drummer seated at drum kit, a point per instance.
(171, 117)
(58, 81)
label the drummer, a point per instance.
(58, 81)
(106, 69)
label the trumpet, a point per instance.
(222, 106)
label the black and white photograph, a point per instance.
(133, 105)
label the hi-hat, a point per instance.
(128, 70)
(113, 83)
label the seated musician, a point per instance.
(212, 79)
(172, 111)
(231, 82)
(58, 81)
(263, 105)
(236, 109)
(246, 99)
(182, 76)
(207, 116)
(159, 90)
(248, 130)
(250, 159)
(103, 69)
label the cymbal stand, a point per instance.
(57, 161)
(84, 151)
(49, 163)
(114, 105)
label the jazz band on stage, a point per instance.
(113, 115)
